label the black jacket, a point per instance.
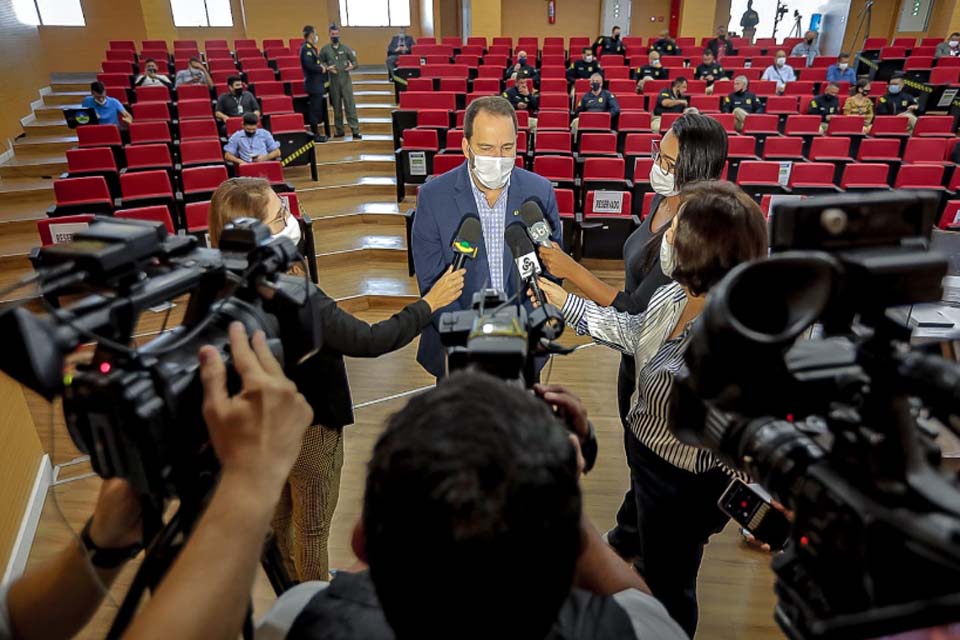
(580, 69)
(713, 69)
(666, 47)
(824, 105)
(322, 378)
(609, 46)
(516, 99)
(313, 75)
(747, 101)
(891, 104)
(657, 73)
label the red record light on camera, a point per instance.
(105, 368)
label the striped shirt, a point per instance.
(493, 220)
(659, 358)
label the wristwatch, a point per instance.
(106, 558)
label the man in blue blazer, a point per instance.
(487, 186)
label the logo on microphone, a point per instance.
(528, 266)
(466, 248)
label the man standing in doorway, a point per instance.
(340, 60)
(314, 80)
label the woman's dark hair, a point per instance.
(719, 227)
(862, 83)
(702, 155)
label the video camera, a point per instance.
(837, 428)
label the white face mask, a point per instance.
(781, 62)
(668, 259)
(955, 43)
(291, 230)
(843, 66)
(492, 171)
(662, 182)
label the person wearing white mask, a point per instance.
(717, 227)
(780, 72)
(301, 523)
(488, 186)
(950, 48)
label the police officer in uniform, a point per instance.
(610, 45)
(597, 99)
(584, 67)
(522, 66)
(709, 70)
(523, 97)
(653, 70)
(741, 102)
(400, 44)
(897, 103)
(666, 45)
(340, 60)
(672, 100)
(826, 105)
(314, 79)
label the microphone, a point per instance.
(537, 226)
(546, 319)
(466, 243)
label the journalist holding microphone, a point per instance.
(302, 519)
(487, 186)
(676, 487)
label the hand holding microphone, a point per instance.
(466, 245)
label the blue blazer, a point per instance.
(441, 204)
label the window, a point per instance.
(201, 13)
(375, 13)
(52, 13)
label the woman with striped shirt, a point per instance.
(676, 486)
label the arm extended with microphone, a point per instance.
(546, 318)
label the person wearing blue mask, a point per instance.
(597, 99)
(840, 72)
(251, 144)
(898, 103)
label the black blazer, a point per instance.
(313, 76)
(322, 378)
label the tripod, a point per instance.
(777, 16)
(796, 32)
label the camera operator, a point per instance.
(302, 522)
(473, 527)
(717, 227)
(256, 435)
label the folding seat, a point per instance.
(926, 151)
(761, 126)
(426, 100)
(199, 129)
(117, 66)
(160, 45)
(800, 88)
(149, 157)
(559, 101)
(927, 177)
(255, 76)
(765, 43)
(155, 213)
(783, 148)
(503, 41)
(598, 121)
(553, 71)
(123, 55)
(611, 60)
(833, 149)
(473, 41)
(81, 195)
(244, 43)
(489, 73)
(616, 73)
(222, 64)
(199, 183)
(889, 127)
(100, 135)
(153, 94)
(194, 110)
(849, 126)
(818, 75)
(865, 177)
(287, 62)
(728, 121)
(420, 84)
(455, 85)
(812, 178)
(566, 208)
(200, 152)
(553, 60)
(805, 126)
(604, 174)
(930, 42)
(950, 218)
(940, 75)
(764, 88)
(417, 150)
(552, 142)
(597, 144)
(631, 102)
(61, 229)
(880, 150)
(272, 43)
(639, 169)
(151, 112)
(607, 222)
(559, 170)
(293, 80)
(446, 162)
(706, 104)
(193, 92)
(251, 54)
(268, 88)
(122, 45)
(948, 62)
(150, 133)
(758, 178)
(619, 87)
(271, 171)
(553, 120)
(918, 62)
(155, 54)
(270, 105)
(98, 161)
(767, 202)
(197, 217)
(472, 61)
(934, 127)
(114, 79)
(667, 120)
(523, 120)
(740, 148)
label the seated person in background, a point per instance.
(826, 105)
(672, 100)
(237, 103)
(610, 45)
(741, 102)
(653, 70)
(949, 48)
(583, 68)
(840, 72)
(400, 45)
(526, 522)
(195, 73)
(523, 97)
(251, 144)
(860, 104)
(151, 76)
(709, 70)
(780, 72)
(721, 45)
(597, 99)
(898, 103)
(666, 45)
(807, 48)
(109, 110)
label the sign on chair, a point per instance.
(418, 163)
(608, 202)
(63, 232)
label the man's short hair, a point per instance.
(708, 52)
(596, 75)
(97, 87)
(472, 513)
(745, 79)
(232, 79)
(334, 27)
(194, 59)
(586, 50)
(308, 29)
(149, 60)
(843, 55)
(678, 80)
(251, 118)
(494, 105)
(835, 85)
(615, 28)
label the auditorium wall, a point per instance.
(529, 18)
(642, 12)
(20, 49)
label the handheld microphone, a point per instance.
(537, 226)
(466, 243)
(546, 318)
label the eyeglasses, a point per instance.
(655, 155)
(282, 213)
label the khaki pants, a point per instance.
(911, 120)
(739, 117)
(574, 126)
(655, 123)
(301, 522)
(823, 126)
(341, 95)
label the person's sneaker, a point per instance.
(623, 553)
(319, 138)
(338, 134)
(357, 136)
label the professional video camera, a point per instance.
(838, 428)
(136, 408)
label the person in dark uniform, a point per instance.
(709, 70)
(721, 45)
(597, 99)
(523, 97)
(522, 66)
(897, 103)
(666, 45)
(741, 102)
(653, 70)
(695, 149)
(826, 105)
(314, 79)
(400, 44)
(672, 100)
(610, 45)
(584, 67)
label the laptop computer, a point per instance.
(78, 116)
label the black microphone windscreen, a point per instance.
(469, 236)
(518, 240)
(532, 211)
